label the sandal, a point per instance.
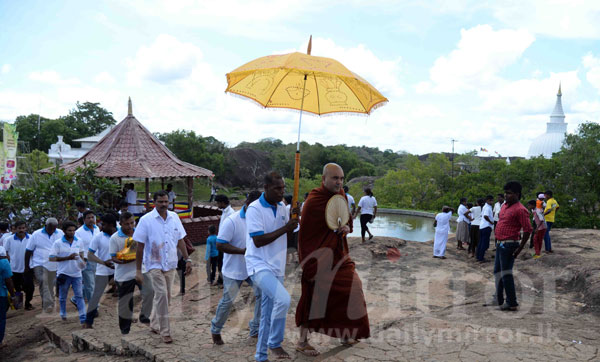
(307, 350)
(349, 342)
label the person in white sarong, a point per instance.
(442, 228)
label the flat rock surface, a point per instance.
(420, 308)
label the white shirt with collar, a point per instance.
(62, 248)
(100, 247)
(497, 208)
(131, 197)
(16, 248)
(85, 235)
(40, 244)
(160, 238)
(476, 215)
(233, 231)
(263, 218)
(486, 211)
(462, 209)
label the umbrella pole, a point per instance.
(297, 163)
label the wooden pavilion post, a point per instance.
(190, 192)
(162, 183)
(147, 193)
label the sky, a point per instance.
(484, 73)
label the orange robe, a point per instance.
(332, 300)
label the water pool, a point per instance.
(407, 227)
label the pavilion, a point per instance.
(129, 150)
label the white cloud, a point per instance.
(555, 18)
(164, 61)
(592, 65)
(104, 78)
(5, 69)
(478, 58)
(52, 77)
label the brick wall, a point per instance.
(197, 228)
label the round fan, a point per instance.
(337, 213)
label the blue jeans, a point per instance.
(275, 302)
(231, 287)
(89, 276)
(547, 242)
(484, 242)
(64, 282)
(3, 306)
(503, 274)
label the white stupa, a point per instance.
(552, 140)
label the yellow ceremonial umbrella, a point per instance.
(306, 83)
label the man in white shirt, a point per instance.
(268, 225)
(172, 197)
(131, 198)
(68, 252)
(226, 211)
(16, 246)
(98, 252)
(496, 210)
(4, 230)
(125, 277)
(159, 235)
(231, 241)
(81, 208)
(36, 257)
(351, 203)
(462, 229)
(85, 234)
(485, 228)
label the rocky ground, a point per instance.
(420, 308)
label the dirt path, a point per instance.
(420, 308)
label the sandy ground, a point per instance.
(420, 308)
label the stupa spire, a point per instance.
(559, 91)
(557, 115)
(129, 108)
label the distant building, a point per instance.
(551, 141)
(61, 152)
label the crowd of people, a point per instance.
(513, 225)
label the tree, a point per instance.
(54, 195)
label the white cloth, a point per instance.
(441, 233)
(5, 237)
(350, 202)
(131, 198)
(160, 238)
(123, 272)
(85, 235)
(497, 207)
(367, 205)
(476, 215)
(263, 218)
(462, 209)
(61, 248)
(233, 231)
(487, 211)
(15, 248)
(99, 246)
(171, 195)
(40, 243)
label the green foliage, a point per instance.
(54, 195)
(206, 152)
(33, 162)
(84, 120)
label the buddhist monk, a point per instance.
(332, 300)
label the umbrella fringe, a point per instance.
(293, 110)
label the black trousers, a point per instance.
(125, 308)
(211, 268)
(364, 220)
(24, 283)
(181, 272)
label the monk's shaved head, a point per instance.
(331, 166)
(333, 177)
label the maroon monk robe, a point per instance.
(332, 300)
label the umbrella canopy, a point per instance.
(277, 81)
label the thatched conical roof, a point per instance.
(130, 150)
